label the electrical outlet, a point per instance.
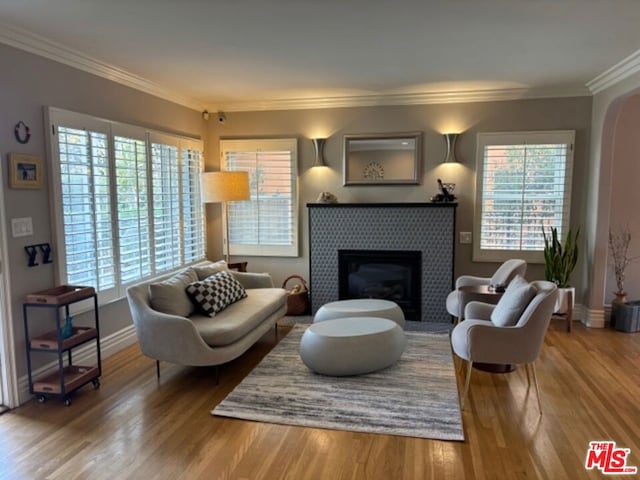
(465, 237)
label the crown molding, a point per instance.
(615, 74)
(467, 96)
(44, 47)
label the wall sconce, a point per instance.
(318, 145)
(450, 139)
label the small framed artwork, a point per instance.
(25, 171)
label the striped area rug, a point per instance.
(416, 397)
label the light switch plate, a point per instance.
(465, 237)
(22, 227)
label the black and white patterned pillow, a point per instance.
(215, 293)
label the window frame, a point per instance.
(55, 118)
(258, 145)
(563, 137)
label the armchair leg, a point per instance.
(466, 384)
(158, 369)
(535, 381)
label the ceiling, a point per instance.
(273, 54)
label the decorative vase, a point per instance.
(621, 297)
(67, 329)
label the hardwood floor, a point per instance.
(137, 427)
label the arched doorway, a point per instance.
(608, 106)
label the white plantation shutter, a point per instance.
(132, 198)
(167, 245)
(193, 212)
(268, 223)
(86, 207)
(127, 202)
(524, 184)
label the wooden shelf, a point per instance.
(61, 295)
(49, 341)
(74, 377)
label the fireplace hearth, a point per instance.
(382, 274)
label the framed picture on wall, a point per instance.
(25, 171)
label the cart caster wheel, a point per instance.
(41, 398)
(96, 383)
(67, 402)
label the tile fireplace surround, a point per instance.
(427, 227)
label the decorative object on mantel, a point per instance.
(450, 139)
(318, 146)
(32, 252)
(382, 159)
(619, 241)
(446, 192)
(327, 197)
(25, 171)
(22, 137)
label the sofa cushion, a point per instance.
(239, 319)
(206, 270)
(169, 296)
(511, 305)
(215, 293)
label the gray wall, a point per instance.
(27, 83)
(625, 195)
(433, 120)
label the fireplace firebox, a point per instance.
(383, 274)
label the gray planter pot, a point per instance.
(625, 317)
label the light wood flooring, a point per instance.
(135, 427)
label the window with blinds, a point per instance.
(86, 207)
(127, 202)
(268, 223)
(133, 207)
(523, 186)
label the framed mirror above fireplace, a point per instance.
(382, 159)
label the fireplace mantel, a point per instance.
(427, 227)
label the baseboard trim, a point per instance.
(594, 317)
(85, 355)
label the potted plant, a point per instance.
(625, 316)
(619, 241)
(559, 263)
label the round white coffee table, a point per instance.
(352, 346)
(362, 307)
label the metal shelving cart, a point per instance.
(69, 377)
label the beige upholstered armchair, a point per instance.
(457, 300)
(480, 339)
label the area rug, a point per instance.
(416, 397)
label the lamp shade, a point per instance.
(224, 186)
(450, 138)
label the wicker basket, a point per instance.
(298, 300)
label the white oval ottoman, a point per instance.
(352, 346)
(362, 307)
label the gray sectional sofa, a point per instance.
(169, 328)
